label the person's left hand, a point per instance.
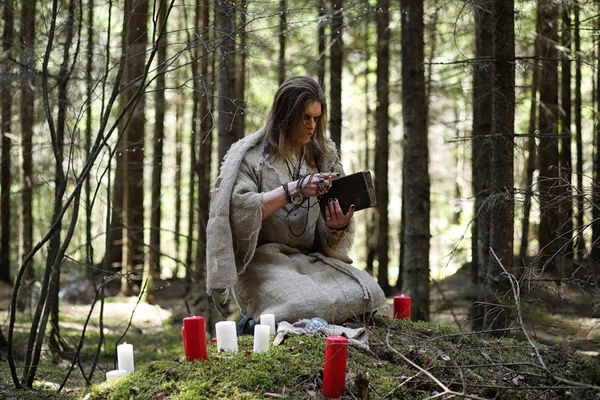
(335, 217)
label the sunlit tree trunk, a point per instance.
(335, 73)
(531, 150)
(415, 161)
(482, 128)
(154, 265)
(26, 114)
(382, 149)
(133, 197)
(6, 93)
(548, 127)
(566, 167)
(580, 239)
(502, 167)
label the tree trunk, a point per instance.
(321, 46)
(133, 197)
(178, 195)
(382, 146)
(335, 77)
(482, 147)
(531, 149)
(204, 167)
(154, 265)
(548, 128)
(566, 167)
(580, 239)
(240, 79)
(415, 161)
(595, 253)
(282, 33)
(226, 78)
(502, 181)
(6, 94)
(26, 114)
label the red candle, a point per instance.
(334, 370)
(194, 338)
(402, 307)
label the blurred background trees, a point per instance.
(478, 119)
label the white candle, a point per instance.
(226, 336)
(261, 338)
(125, 357)
(268, 319)
(117, 373)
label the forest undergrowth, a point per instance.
(405, 359)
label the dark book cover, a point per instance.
(351, 189)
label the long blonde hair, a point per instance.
(287, 111)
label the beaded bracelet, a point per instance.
(288, 196)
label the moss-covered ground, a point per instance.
(472, 364)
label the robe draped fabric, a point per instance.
(291, 264)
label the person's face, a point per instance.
(306, 128)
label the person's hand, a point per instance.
(334, 215)
(314, 184)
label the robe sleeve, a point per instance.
(336, 243)
(246, 212)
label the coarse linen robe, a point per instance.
(291, 264)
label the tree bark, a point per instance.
(6, 94)
(282, 33)
(382, 145)
(482, 129)
(335, 77)
(154, 264)
(321, 46)
(548, 128)
(595, 253)
(502, 214)
(26, 113)
(133, 196)
(415, 161)
(226, 77)
(178, 195)
(566, 167)
(580, 238)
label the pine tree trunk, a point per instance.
(154, 265)
(26, 113)
(6, 93)
(335, 77)
(531, 150)
(502, 168)
(566, 167)
(178, 159)
(282, 33)
(321, 46)
(580, 239)
(482, 129)
(595, 253)
(133, 198)
(382, 150)
(226, 77)
(204, 166)
(548, 160)
(415, 170)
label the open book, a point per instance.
(351, 189)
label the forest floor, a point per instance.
(569, 317)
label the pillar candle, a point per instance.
(261, 338)
(268, 319)
(125, 357)
(334, 369)
(402, 306)
(117, 373)
(226, 336)
(194, 338)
